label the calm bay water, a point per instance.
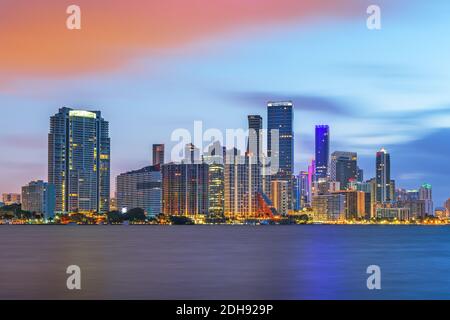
(225, 262)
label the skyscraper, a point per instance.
(322, 150)
(158, 154)
(343, 167)
(447, 207)
(279, 196)
(305, 188)
(140, 189)
(425, 194)
(185, 189)
(355, 204)
(216, 188)
(242, 185)
(296, 193)
(383, 178)
(280, 117)
(79, 161)
(254, 146)
(39, 197)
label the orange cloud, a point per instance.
(34, 38)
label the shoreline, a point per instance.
(229, 224)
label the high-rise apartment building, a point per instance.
(185, 189)
(383, 176)
(425, 194)
(279, 196)
(79, 161)
(328, 207)
(140, 189)
(39, 197)
(216, 187)
(242, 185)
(355, 204)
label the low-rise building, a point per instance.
(39, 197)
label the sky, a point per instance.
(153, 67)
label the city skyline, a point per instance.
(193, 154)
(222, 182)
(365, 91)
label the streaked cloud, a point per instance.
(113, 32)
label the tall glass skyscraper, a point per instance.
(79, 161)
(280, 117)
(254, 136)
(322, 150)
(343, 167)
(383, 178)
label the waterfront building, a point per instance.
(279, 196)
(39, 197)
(10, 198)
(328, 207)
(242, 185)
(185, 189)
(79, 161)
(447, 206)
(425, 194)
(140, 189)
(416, 207)
(440, 213)
(388, 211)
(355, 204)
(216, 186)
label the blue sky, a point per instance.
(387, 88)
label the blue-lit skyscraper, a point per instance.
(322, 150)
(280, 117)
